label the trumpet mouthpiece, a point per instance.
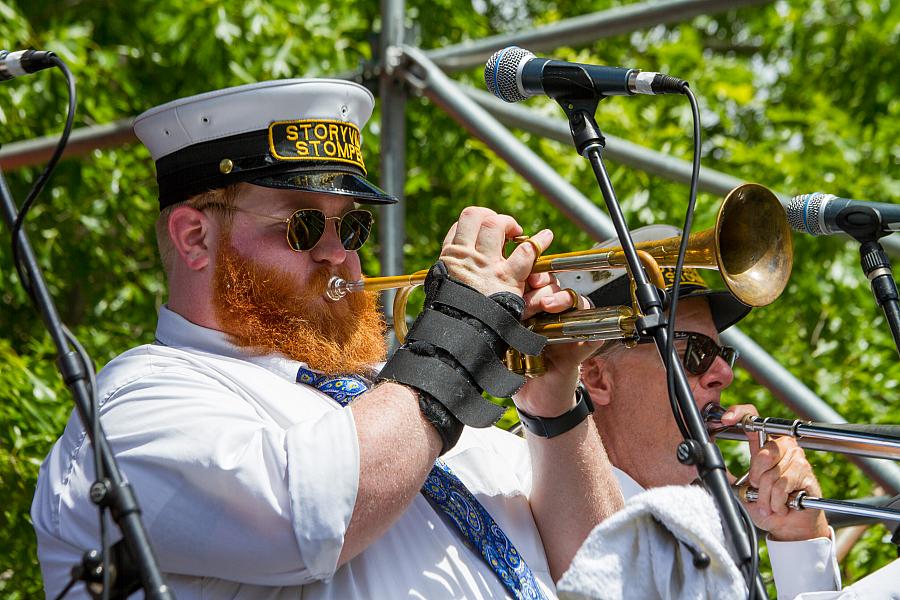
(336, 288)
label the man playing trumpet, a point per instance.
(633, 415)
(270, 460)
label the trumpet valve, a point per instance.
(534, 365)
(524, 364)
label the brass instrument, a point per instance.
(800, 500)
(874, 441)
(750, 245)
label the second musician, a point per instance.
(633, 416)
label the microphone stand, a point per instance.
(698, 450)
(112, 490)
(863, 223)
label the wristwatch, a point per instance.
(549, 427)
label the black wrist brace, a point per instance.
(454, 348)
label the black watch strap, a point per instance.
(553, 426)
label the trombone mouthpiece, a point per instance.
(712, 412)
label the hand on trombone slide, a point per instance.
(778, 468)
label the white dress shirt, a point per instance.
(247, 482)
(804, 566)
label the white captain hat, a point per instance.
(301, 134)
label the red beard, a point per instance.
(260, 308)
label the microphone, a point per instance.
(823, 214)
(22, 62)
(514, 74)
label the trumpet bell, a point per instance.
(756, 251)
(750, 246)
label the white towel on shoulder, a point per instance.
(641, 552)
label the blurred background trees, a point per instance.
(798, 96)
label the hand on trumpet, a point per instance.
(777, 469)
(473, 254)
(553, 393)
(473, 251)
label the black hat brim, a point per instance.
(726, 310)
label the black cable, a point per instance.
(87, 364)
(72, 581)
(670, 328)
(679, 266)
(44, 177)
(88, 367)
(754, 548)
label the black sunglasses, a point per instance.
(701, 351)
(306, 226)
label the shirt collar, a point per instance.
(175, 331)
(627, 485)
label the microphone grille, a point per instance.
(803, 213)
(501, 73)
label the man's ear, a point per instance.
(596, 377)
(191, 235)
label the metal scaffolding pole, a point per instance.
(803, 401)
(392, 226)
(625, 152)
(582, 30)
(82, 141)
(425, 76)
(86, 139)
(431, 81)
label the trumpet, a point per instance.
(874, 441)
(750, 245)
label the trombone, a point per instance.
(801, 501)
(875, 441)
(750, 245)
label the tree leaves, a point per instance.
(798, 96)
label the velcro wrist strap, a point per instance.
(440, 289)
(548, 427)
(469, 348)
(448, 427)
(445, 384)
(514, 305)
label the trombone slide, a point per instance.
(874, 441)
(801, 501)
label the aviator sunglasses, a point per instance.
(306, 226)
(701, 351)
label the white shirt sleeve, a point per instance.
(227, 492)
(804, 566)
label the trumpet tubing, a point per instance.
(588, 325)
(750, 245)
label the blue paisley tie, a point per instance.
(448, 494)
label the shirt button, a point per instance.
(820, 567)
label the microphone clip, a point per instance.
(583, 126)
(862, 223)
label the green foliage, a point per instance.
(798, 96)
